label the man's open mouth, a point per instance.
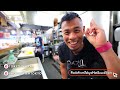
(73, 44)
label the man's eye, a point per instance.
(66, 33)
(77, 30)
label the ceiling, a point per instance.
(44, 18)
(14, 16)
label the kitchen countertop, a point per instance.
(26, 52)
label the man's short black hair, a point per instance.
(69, 16)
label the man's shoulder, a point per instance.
(96, 57)
(63, 48)
(38, 38)
(63, 52)
(87, 44)
(85, 40)
(63, 45)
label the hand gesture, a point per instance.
(95, 35)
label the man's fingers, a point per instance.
(90, 32)
(93, 24)
(92, 29)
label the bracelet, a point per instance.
(104, 47)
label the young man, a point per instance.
(38, 49)
(86, 57)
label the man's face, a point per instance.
(73, 32)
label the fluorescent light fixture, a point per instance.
(13, 32)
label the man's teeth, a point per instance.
(73, 42)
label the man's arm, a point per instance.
(63, 70)
(97, 38)
(112, 63)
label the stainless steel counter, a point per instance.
(25, 67)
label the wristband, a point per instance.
(104, 47)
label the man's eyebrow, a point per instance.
(76, 27)
(65, 30)
(73, 28)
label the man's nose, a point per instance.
(72, 36)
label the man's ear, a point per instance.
(83, 29)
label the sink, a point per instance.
(24, 69)
(25, 66)
(27, 61)
(29, 76)
(30, 68)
